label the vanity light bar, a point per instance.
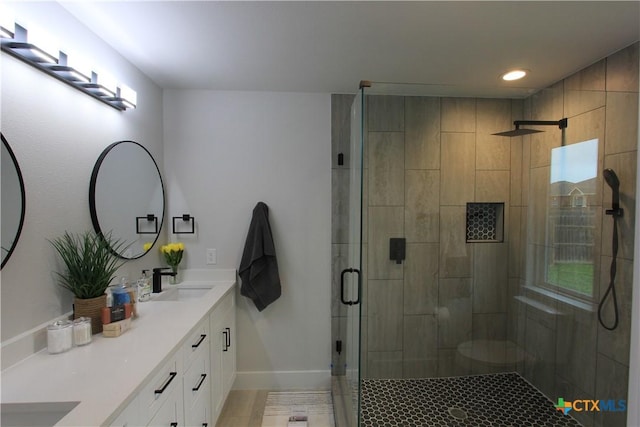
(15, 43)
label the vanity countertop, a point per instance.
(105, 374)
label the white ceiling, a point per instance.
(456, 47)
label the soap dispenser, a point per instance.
(144, 287)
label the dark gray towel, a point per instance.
(259, 267)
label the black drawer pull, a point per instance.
(204, 424)
(174, 424)
(228, 337)
(202, 377)
(226, 347)
(161, 390)
(196, 345)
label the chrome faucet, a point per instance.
(157, 278)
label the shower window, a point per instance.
(571, 219)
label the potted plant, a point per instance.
(90, 265)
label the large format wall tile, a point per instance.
(454, 312)
(493, 152)
(458, 114)
(612, 382)
(422, 210)
(421, 278)
(339, 205)
(386, 169)
(516, 171)
(493, 186)
(456, 255)
(538, 205)
(384, 364)
(420, 347)
(615, 344)
(624, 166)
(622, 70)
(385, 113)
(339, 261)
(622, 123)
(540, 343)
(458, 168)
(340, 128)
(384, 223)
(591, 78)
(385, 315)
(422, 133)
(489, 326)
(490, 278)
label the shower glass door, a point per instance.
(351, 277)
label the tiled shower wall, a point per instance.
(425, 159)
(568, 354)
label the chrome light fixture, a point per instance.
(15, 43)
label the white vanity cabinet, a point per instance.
(197, 377)
(190, 386)
(161, 399)
(223, 352)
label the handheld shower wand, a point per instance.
(612, 180)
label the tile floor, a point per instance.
(243, 408)
(505, 400)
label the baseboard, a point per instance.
(283, 380)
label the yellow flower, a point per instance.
(172, 253)
(147, 246)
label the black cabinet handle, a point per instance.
(202, 377)
(174, 424)
(196, 345)
(228, 336)
(161, 390)
(204, 424)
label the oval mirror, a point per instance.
(126, 197)
(13, 201)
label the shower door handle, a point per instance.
(350, 302)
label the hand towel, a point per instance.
(259, 266)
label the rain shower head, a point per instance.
(562, 123)
(517, 132)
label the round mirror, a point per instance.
(126, 197)
(13, 201)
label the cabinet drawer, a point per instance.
(197, 381)
(166, 380)
(170, 413)
(196, 343)
(130, 416)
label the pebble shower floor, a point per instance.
(493, 400)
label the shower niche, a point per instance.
(485, 222)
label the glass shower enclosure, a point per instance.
(470, 253)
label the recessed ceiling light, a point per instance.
(514, 75)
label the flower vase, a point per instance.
(174, 279)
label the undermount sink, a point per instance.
(34, 414)
(186, 292)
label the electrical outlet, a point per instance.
(211, 256)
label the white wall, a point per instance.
(224, 152)
(57, 134)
